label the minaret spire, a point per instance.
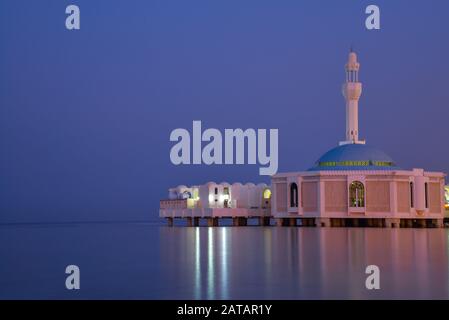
(352, 89)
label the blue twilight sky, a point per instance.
(85, 116)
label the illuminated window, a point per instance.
(293, 195)
(267, 194)
(411, 195)
(186, 195)
(356, 194)
(226, 191)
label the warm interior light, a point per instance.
(267, 194)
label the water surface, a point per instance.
(148, 261)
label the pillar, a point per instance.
(196, 222)
(305, 222)
(336, 222)
(323, 222)
(422, 223)
(189, 221)
(264, 221)
(392, 223)
(212, 222)
(170, 222)
(439, 223)
(292, 222)
(409, 223)
(239, 221)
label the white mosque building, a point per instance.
(353, 184)
(213, 201)
(356, 184)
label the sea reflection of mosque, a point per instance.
(237, 263)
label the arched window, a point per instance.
(267, 194)
(186, 195)
(293, 195)
(412, 204)
(356, 194)
(426, 194)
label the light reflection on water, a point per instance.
(145, 261)
(296, 263)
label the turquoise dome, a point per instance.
(354, 157)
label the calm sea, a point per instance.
(150, 261)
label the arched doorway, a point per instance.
(356, 194)
(293, 195)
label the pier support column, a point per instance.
(438, 223)
(409, 223)
(239, 221)
(323, 222)
(292, 222)
(196, 222)
(392, 223)
(170, 222)
(335, 223)
(264, 221)
(279, 222)
(308, 222)
(212, 222)
(189, 221)
(422, 223)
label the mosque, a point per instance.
(353, 184)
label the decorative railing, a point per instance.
(173, 204)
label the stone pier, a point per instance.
(323, 222)
(392, 223)
(196, 222)
(239, 221)
(212, 222)
(264, 221)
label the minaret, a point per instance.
(352, 89)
